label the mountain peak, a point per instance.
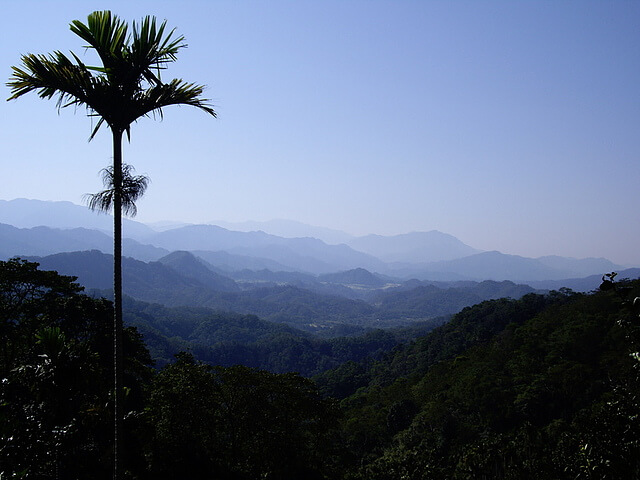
(414, 247)
(356, 276)
(190, 266)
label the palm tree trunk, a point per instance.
(117, 305)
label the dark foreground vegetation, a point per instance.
(543, 387)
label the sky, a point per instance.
(514, 126)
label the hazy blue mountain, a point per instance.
(303, 254)
(289, 257)
(277, 277)
(585, 284)
(93, 268)
(433, 256)
(156, 282)
(166, 225)
(574, 267)
(289, 229)
(497, 266)
(152, 282)
(416, 247)
(487, 289)
(340, 257)
(146, 253)
(24, 213)
(46, 241)
(188, 265)
(356, 276)
(492, 290)
(228, 262)
(407, 271)
(206, 237)
(255, 279)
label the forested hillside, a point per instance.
(222, 338)
(305, 302)
(545, 387)
(188, 420)
(542, 387)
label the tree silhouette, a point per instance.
(125, 88)
(133, 187)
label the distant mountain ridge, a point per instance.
(180, 279)
(579, 267)
(289, 229)
(46, 241)
(26, 213)
(433, 255)
(309, 254)
(416, 247)
(357, 276)
(498, 266)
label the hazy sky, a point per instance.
(514, 126)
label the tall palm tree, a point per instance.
(126, 87)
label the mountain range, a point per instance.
(39, 228)
(319, 304)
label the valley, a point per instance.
(279, 294)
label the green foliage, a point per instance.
(541, 387)
(55, 364)
(126, 87)
(238, 422)
(228, 339)
(189, 420)
(183, 426)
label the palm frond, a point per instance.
(176, 92)
(101, 201)
(106, 34)
(126, 57)
(133, 188)
(126, 87)
(151, 49)
(51, 76)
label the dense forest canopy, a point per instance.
(546, 386)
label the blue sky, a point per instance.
(514, 126)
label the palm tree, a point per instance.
(125, 88)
